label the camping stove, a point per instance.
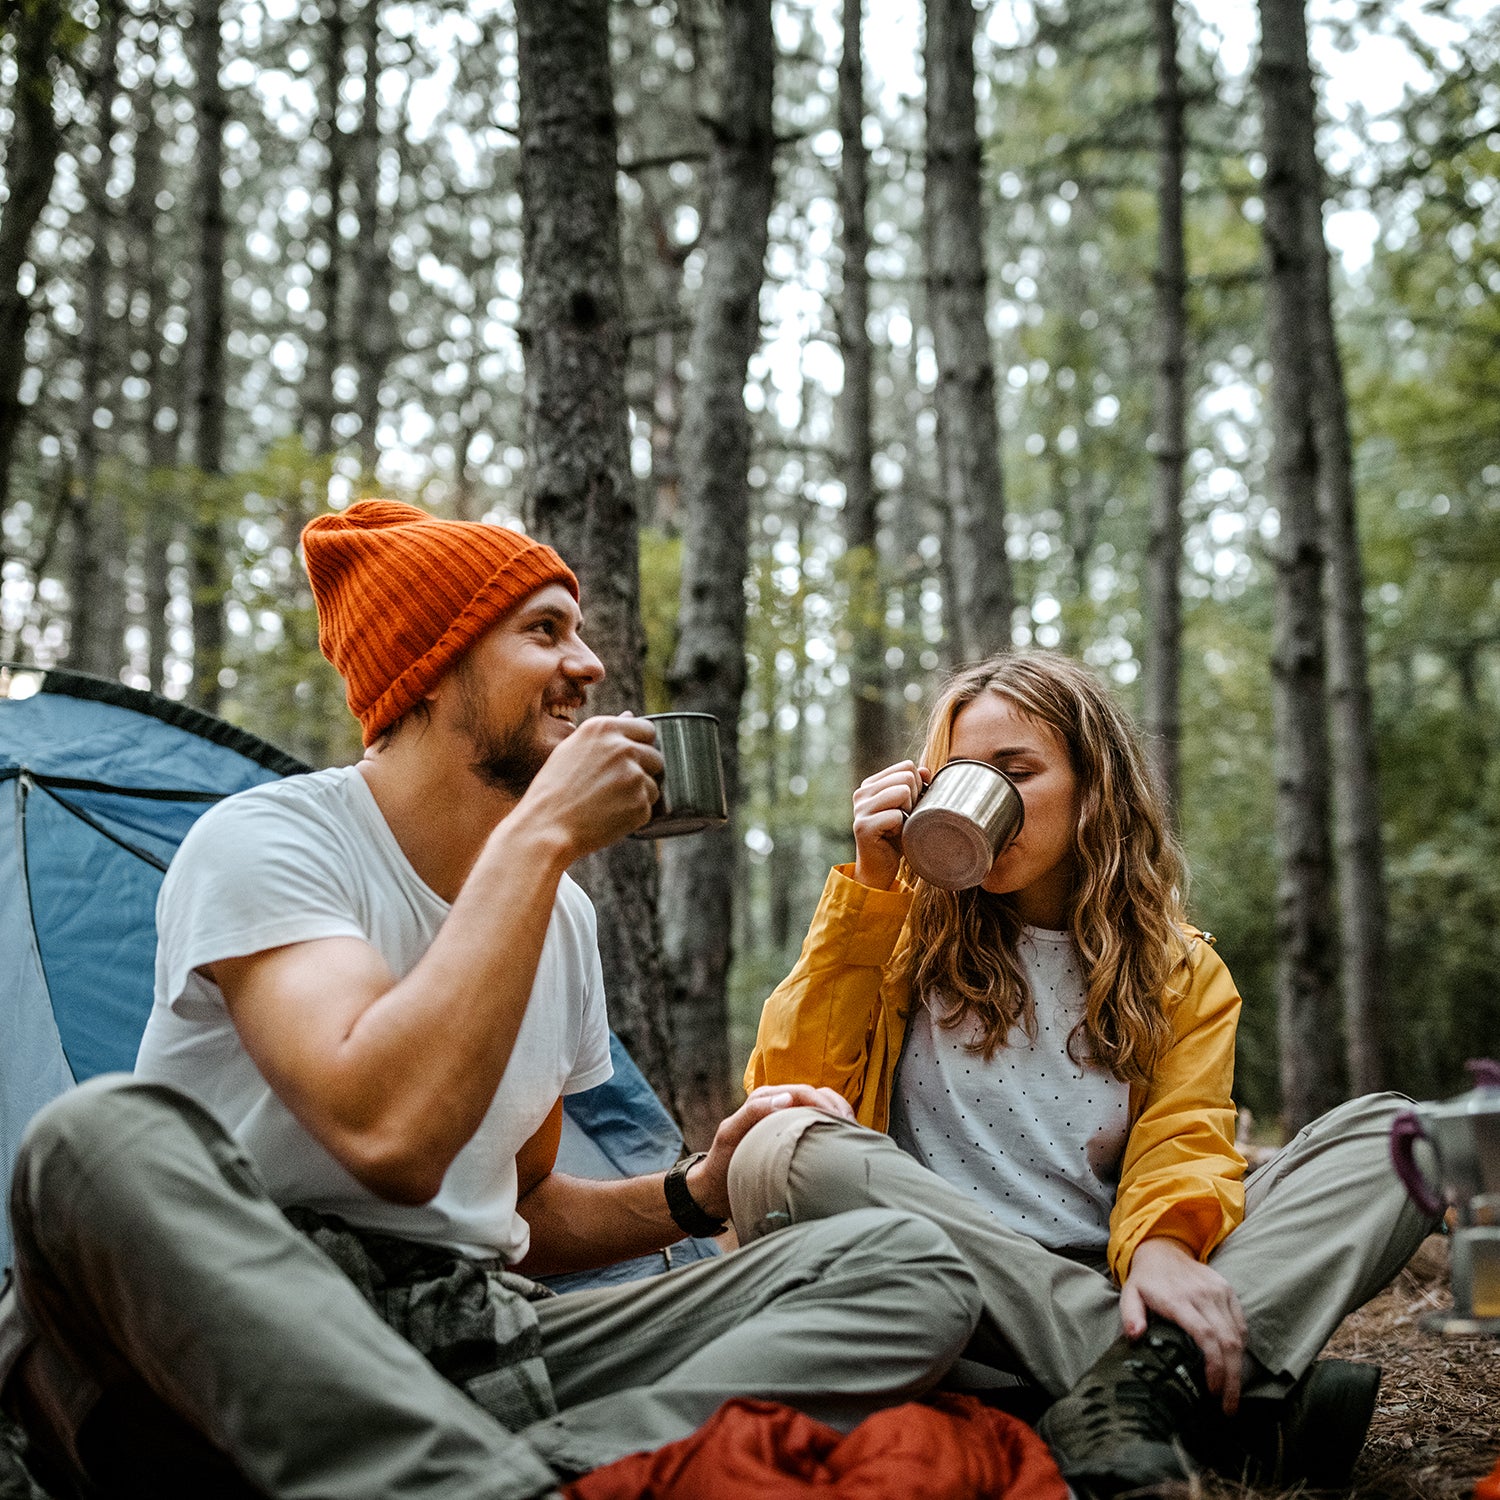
(1464, 1136)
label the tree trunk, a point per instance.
(664, 272)
(869, 750)
(205, 360)
(1163, 663)
(147, 260)
(1307, 1003)
(320, 400)
(707, 672)
(31, 164)
(96, 575)
(581, 495)
(374, 335)
(968, 424)
(1356, 780)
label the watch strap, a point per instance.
(687, 1213)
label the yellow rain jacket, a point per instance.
(838, 1020)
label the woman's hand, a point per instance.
(1165, 1278)
(881, 803)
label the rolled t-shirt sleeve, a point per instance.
(246, 879)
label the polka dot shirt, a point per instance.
(1032, 1137)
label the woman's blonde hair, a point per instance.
(1126, 911)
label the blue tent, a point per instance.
(99, 783)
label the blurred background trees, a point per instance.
(258, 257)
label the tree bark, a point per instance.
(707, 673)
(320, 400)
(31, 164)
(374, 335)
(580, 493)
(205, 379)
(869, 750)
(147, 259)
(1307, 1002)
(96, 574)
(967, 421)
(1163, 657)
(1356, 780)
(664, 272)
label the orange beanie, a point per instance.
(402, 595)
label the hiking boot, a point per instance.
(1119, 1430)
(1313, 1435)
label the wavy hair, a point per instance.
(1126, 909)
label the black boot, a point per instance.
(1120, 1430)
(1313, 1435)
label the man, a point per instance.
(374, 986)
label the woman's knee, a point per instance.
(758, 1172)
(830, 1156)
(1365, 1118)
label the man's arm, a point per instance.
(578, 1224)
(393, 1076)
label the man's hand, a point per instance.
(1166, 1279)
(599, 784)
(708, 1182)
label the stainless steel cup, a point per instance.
(969, 813)
(692, 783)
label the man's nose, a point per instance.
(582, 662)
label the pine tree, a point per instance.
(1163, 655)
(707, 674)
(968, 425)
(581, 495)
(1307, 940)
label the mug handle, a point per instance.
(1406, 1131)
(1485, 1071)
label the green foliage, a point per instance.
(661, 583)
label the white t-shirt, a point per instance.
(1032, 1137)
(312, 857)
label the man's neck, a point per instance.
(440, 813)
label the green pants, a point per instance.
(1326, 1226)
(161, 1281)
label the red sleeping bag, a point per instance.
(951, 1448)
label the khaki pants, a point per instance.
(161, 1281)
(1327, 1225)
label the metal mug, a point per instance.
(965, 819)
(692, 782)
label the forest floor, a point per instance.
(1437, 1421)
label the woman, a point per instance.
(1057, 1045)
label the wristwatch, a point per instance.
(687, 1213)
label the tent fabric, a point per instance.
(99, 783)
(949, 1448)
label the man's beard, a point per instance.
(507, 760)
